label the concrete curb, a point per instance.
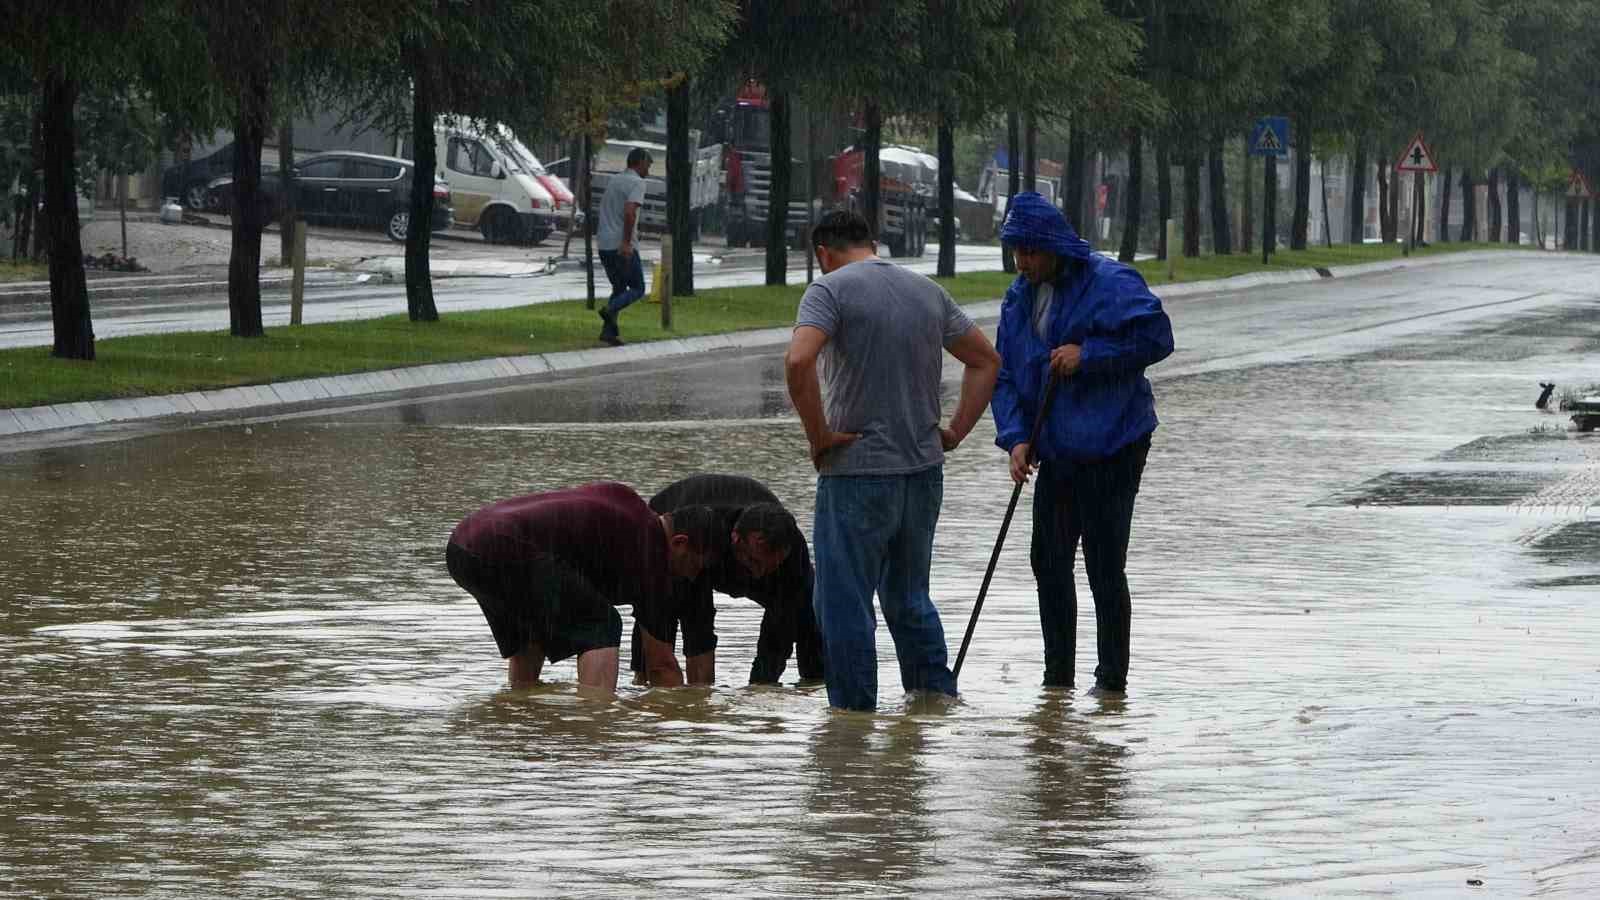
(114, 288)
(285, 396)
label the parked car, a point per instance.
(360, 190)
(188, 182)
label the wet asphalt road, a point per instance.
(1363, 569)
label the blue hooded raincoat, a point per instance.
(1103, 306)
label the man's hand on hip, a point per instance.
(948, 439)
(831, 440)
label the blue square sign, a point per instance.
(1270, 137)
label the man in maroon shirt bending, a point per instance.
(549, 569)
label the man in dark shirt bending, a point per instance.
(548, 569)
(769, 564)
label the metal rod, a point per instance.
(1005, 525)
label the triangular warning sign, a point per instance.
(1268, 142)
(1417, 158)
(1578, 186)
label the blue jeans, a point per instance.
(876, 533)
(627, 285)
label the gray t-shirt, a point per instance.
(887, 329)
(623, 188)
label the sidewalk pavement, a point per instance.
(310, 394)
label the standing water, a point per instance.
(232, 662)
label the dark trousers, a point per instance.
(626, 275)
(1092, 502)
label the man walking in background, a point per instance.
(880, 332)
(617, 237)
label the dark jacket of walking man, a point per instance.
(880, 332)
(1092, 323)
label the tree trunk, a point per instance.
(1594, 226)
(1327, 219)
(1357, 192)
(1077, 149)
(36, 203)
(1513, 208)
(1163, 196)
(1300, 226)
(122, 211)
(586, 197)
(1469, 207)
(1386, 230)
(69, 290)
(1133, 197)
(1247, 224)
(1269, 206)
(1221, 233)
(872, 169)
(244, 261)
(1569, 233)
(1013, 179)
(1419, 217)
(1445, 192)
(419, 228)
(286, 190)
(1030, 150)
(947, 197)
(1191, 202)
(778, 196)
(1495, 219)
(679, 220)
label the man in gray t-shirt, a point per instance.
(880, 332)
(617, 236)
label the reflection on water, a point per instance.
(232, 663)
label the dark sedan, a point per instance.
(346, 188)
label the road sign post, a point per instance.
(1416, 159)
(1269, 138)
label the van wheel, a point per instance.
(399, 224)
(500, 226)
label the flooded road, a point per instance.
(1365, 660)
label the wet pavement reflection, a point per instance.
(232, 662)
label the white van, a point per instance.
(493, 188)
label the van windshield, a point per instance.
(526, 156)
(513, 160)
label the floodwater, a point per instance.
(1364, 656)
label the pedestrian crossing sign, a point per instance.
(1417, 157)
(1578, 186)
(1270, 137)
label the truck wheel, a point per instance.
(921, 234)
(897, 245)
(734, 234)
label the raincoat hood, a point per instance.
(1035, 223)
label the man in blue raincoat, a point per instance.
(1091, 323)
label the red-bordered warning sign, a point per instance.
(1417, 158)
(1578, 186)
